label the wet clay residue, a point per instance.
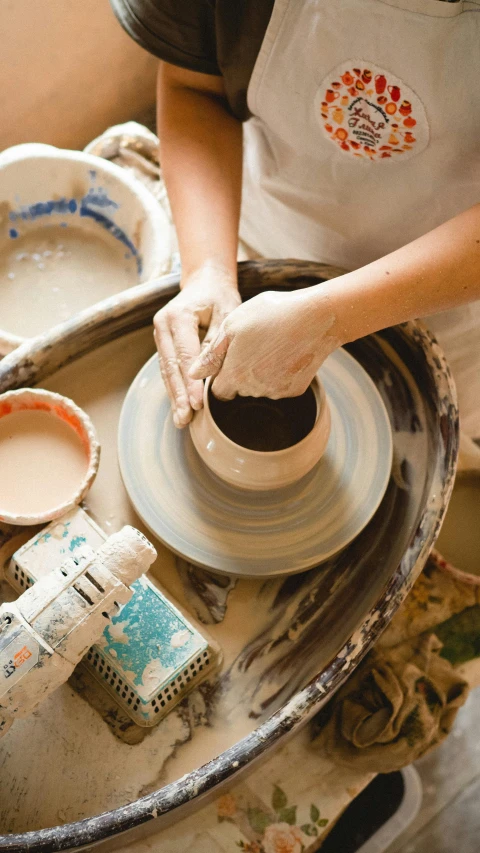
(52, 272)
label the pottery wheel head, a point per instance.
(257, 534)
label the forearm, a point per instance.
(201, 157)
(434, 273)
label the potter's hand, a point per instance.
(205, 300)
(271, 346)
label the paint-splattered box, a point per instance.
(150, 655)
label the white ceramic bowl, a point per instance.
(258, 470)
(42, 185)
(36, 399)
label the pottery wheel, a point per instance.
(231, 530)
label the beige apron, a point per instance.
(365, 135)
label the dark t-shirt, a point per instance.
(211, 36)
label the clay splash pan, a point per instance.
(294, 673)
(49, 456)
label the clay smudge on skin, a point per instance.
(275, 341)
(301, 363)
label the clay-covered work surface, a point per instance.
(288, 642)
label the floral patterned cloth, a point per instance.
(272, 827)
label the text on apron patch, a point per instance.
(368, 112)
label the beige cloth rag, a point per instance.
(400, 703)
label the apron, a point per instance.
(365, 135)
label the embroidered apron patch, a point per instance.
(368, 112)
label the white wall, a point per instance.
(67, 71)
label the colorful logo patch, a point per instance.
(369, 113)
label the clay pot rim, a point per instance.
(320, 399)
(30, 396)
(257, 470)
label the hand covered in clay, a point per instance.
(207, 297)
(271, 346)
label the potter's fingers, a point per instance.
(172, 376)
(223, 389)
(211, 358)
(219, 315)
(185, 334)
(158, 334)
(210, 337)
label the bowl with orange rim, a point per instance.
(49, 456)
